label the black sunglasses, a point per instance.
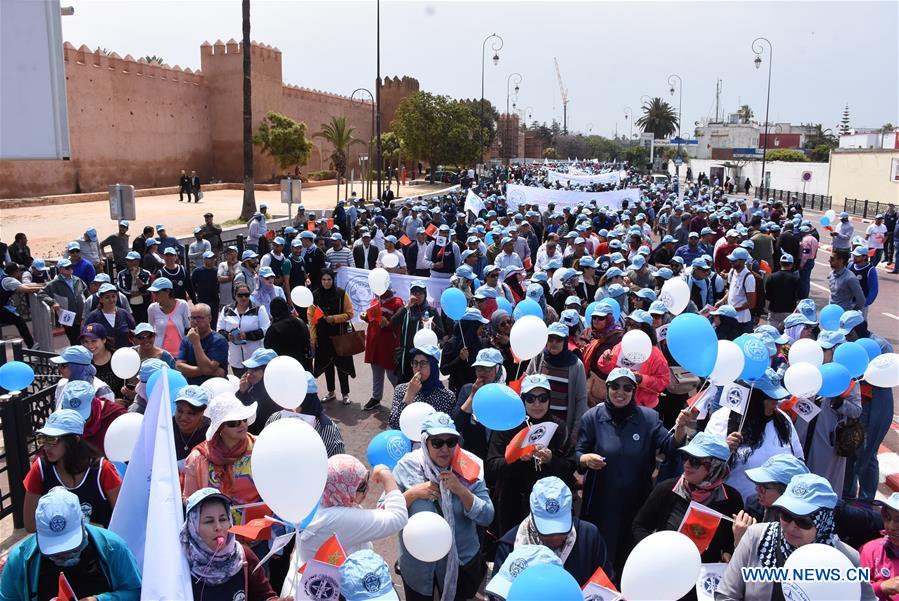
(437, 443)
(802, 522)
(625, 387)
(696, 462)
(530, 399)
(243, 295)
(235, 423)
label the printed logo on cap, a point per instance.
(756, 350)
(518, 566)
(799, 489)
(371, 582)
(57, 524)
(444, 420)
(551, 506)
(75, 403)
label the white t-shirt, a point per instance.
(396, 253)
(876, 234)
(740, 285)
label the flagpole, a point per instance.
(746, 408)
(296, 550)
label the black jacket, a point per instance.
(289, 336)
(782, 291)
(359, 256)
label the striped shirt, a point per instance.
(558, 393)
(339, 258)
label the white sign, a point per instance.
(806, 409)
(586, 179)
(895, 171)
(517, 195)
(710, 577)
(355, 282)
(67, 318)
(121, 202)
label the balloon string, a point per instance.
(296, 552)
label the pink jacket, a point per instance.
(654, 371)
(873, 555)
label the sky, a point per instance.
(826, 54)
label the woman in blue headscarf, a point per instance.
(425, 386)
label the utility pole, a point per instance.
(717, 98)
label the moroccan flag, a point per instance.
(600, 578)
(256, 529)
(763, 265)
(310, 226)
(527, 263)
(699, 525)
(317, 315)
(529, 439)
(405, 241)
(467, 465)
(828, 228)
(374, 312)
(516, 384)
(787, 406)
(65, 590)
(700, 400)
(331, 552)
(330, 222)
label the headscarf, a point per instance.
(529, 535)
(222, 460)
(82, 373)
(497, 318)
(709, 490)
(327, 299)
(345, 474)
(278, 309)
(566, 358)
(774, 542)
(468, 336)
(488, 307)
(211, 566)
(433, 382)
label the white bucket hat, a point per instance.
(225, 408)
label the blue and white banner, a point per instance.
(355, 282)
(586, 179)
(517, 195)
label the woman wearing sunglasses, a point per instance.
(341, 512)
(223, 459)
(705, 471)
(425, 386)
(616, 447)
(805, 516)
(243, 324)
(64, 459)
(512, 482)
(653, 375)
(429, 483)
(145, 336)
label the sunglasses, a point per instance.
(696, 462)
(423, 363)
(437, 443)
(531, 399)
(802, 522)
(624, 387)
(243, 295)
(235, 423)
(43, 441)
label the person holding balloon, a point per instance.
(341, 512)
(653, 374)
(313, 412)
(616, 447)
(330, 310)
(380, 344)
(806, 516)
(64, 459)
(408, 321)
(424, 386)
(429, 484)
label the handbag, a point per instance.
(681, 381)
(350, 343)
(596, 390)
(849, 436)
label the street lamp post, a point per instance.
(373, 118)
(680, 118)
(517, 78)
(497, 45)
(378, 97)
(758, 47)
(629, 117)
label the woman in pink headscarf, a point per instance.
(341, 512)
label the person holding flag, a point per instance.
(695, 503)
(518, 458)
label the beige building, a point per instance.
(866, 174)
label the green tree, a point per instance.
(248, 205)
(487, 116)
(438, 129)
(821, 153)
(636, 156)
(550, 153)
(604, 149)
(887, 128)
(844, 122)
(340, 135)
(790, 155)
(659, 118)
(152, 58)
(745, 113)
(284, 140)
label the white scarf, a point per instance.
(528, 535)
(432, 472)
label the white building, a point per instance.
(869, 138)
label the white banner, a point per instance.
(517, 195)
(355, 282)
(587, 179)
(473, 203)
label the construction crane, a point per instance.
(564, 91)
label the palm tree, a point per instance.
(659, 118)
(745, 113)
(249, 195)
(340, 135)
(152, 58)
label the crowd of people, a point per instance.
(629, 455)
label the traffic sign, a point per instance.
(121, 202)
(806, 176)
(678, 160)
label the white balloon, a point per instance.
(379, 280)
(424, 337)
(412, 417)
(290, 467)
(883, 371)
(832, 215)
(635, 347)
(803, 380)
(729, 364)
(427, 536)
(301, 296)
(557, 280)
(217, 386)
(806, 350)
(662, 567)
(121, 436)
(125, 363)
(285, 381)
(235, 381)
(675, 294)
(390, 261)
(817, 556)
(528, 337)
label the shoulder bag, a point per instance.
(350, 343)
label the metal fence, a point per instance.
(21, 414)
(816, 202)
(865, 208)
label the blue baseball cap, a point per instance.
(472, 314)
(572, 300)
(418, 284)
(193, 395)
(161, 284)
(668, 239)
(73, 246)
(467, 253)
(892, 501)
(551, 506)
(132, 255)
(828, 339)
(613, 272)
(739, 254)
(105, 287)
(208, 255)
(617, 258)
(62, 422)
(665, 273)
(78, 395)
(488, 357)
(849, 320)
(336, 236)
(616, 290)
(521, 558)
(143, 328)
(658, 308)
(59, 521)
(170, 250)
(464, 271)
(431, 350)
(778, 468)
(297, 242)
(806, 494)
(570, 318)
(102, 278)
(206, 493)
(679, 260)
(259, 358)
(484, 292)
(647, 294)
(551, 264)
(91, 233)
(707, 445)
(148, 368)
(640, 316)
(795, 319)
(38, 264)
(364, 576)
(248, 254)
(558, 329)
(725, 311)
(74, 354)
(151, 242)
(391, 239)
(587, 261)
(529, 383)
(770, 384)
(307, 235)
(638, 262)
(700, 263)
(311, 384)
(439, 423)
(266, 272)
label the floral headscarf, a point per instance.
(345, 474)
(212, 566)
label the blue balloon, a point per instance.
(853, 357)
(616, 310)
(542, 582)
(871, 347)
(453, 303)
(16, 375)
(504, 304)
(489, 238)
(829, 317)
(755, 356)
(693, 343)
(498, 407)
(825, 220)
(388, 448)
(588, 312)
(176, 382)
(527, 306)
(835, 378)
(121, 467)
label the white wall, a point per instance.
(784, 175)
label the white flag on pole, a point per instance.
(710, 576)
(806, 409)
(735, 397)
(474, 203)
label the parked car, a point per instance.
(446, 177)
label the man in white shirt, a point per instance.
(197, 248)
(226, 272)
(876, 234)
(508, 256)
(546, 253)
(390, 250)
(740, 288)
